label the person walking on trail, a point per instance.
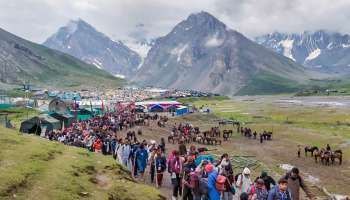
(170, 158)
(213, 193)
(162, 144)
(280, 192)
(188, 168)
(260, 190)
(225, 169)
(189, 164)
(124, 154)
(200, 182)
(244, 183)
(98, 146)
(141, 160)
(151, 160)
(160, 165)
(132, 157)
(187, 189)
(182, 148)
(268, 180)
(176, 169)
(295, 182)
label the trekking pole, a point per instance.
(155, 172)
(133, 166)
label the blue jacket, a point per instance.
(141, 159)
(212, 191)
(276, 194)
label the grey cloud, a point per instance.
(254, 17)
(37, 19)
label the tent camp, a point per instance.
(83, 114)
(182, 110)
(140, 109)
(171, 108)
(39, 124)
(156, 108)
(65, 119)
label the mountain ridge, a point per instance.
(321, 50)
(83, 41)
(202, 53)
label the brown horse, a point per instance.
(317, 154)
(326, 157)
(337, 154)
(310, 149)
(225, 135)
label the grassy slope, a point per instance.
(67, 71)
(17, 115)
(341, 85)
(268, 83)
(55, 68)
(34, 168)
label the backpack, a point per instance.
(194, 180)
(220, 183)
(203, 186)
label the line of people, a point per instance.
(196, 175)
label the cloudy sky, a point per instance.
(37, 19)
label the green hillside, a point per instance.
(22, 60)
(268, 83)
(34, 168)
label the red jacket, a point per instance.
(98, 145)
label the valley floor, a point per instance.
(294, 121)
(33, 168)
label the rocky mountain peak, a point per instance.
(83, 41)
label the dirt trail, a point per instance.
(271, 153)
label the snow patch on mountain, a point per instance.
(214, 41)
(346, 45)
(330, 45)
(119, 76)
(287, 48)
(314, 54)
(177, 51)
(141, 48)
(97, 63)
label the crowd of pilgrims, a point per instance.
(195, 174)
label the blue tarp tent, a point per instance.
(156, 108)
(182, 110)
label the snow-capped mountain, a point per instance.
(83, 41)
(322, 50)
(140, 47)
(202, 53)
